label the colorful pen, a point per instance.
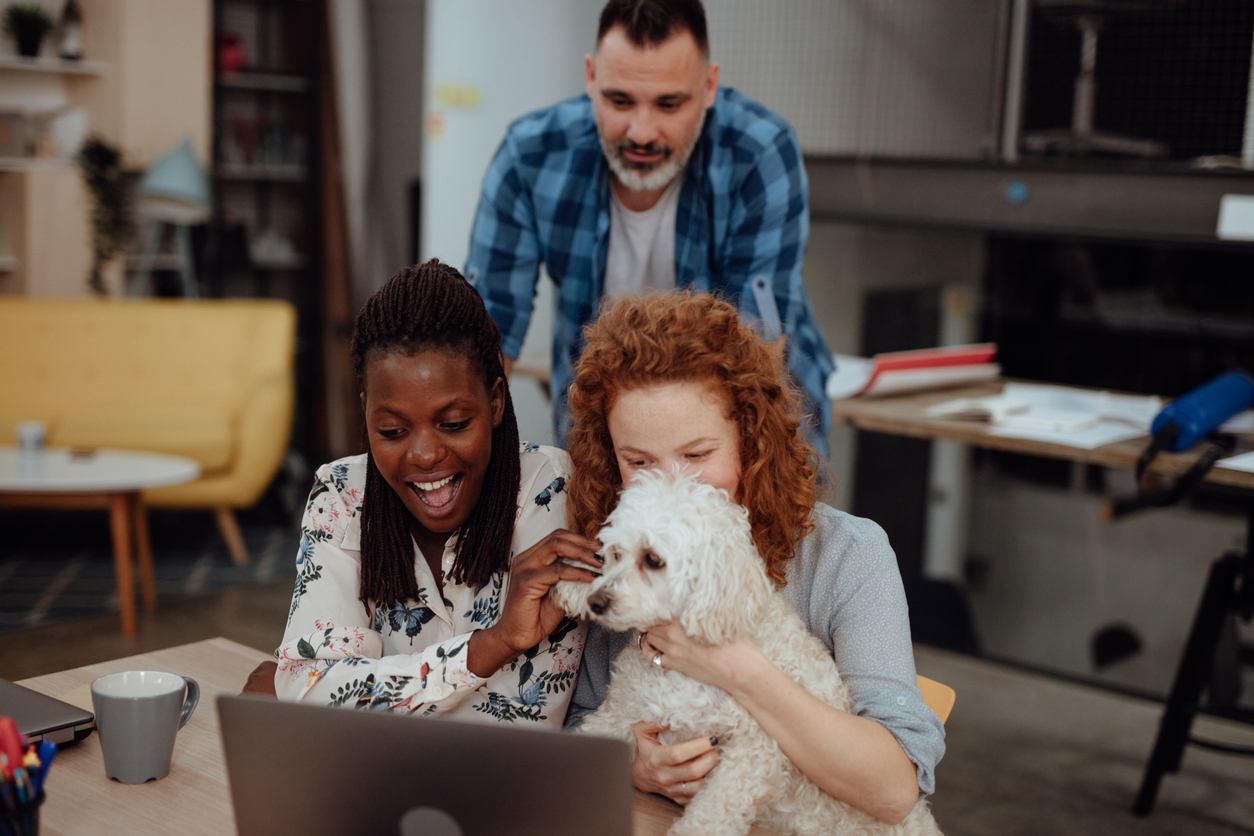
(47, 752)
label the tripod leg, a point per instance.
(1218, 598)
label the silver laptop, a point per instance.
(41, 717)
(312, 770)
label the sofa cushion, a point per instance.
(202, 435)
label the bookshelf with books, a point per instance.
(263, 240)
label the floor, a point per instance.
(1032, 754)
(57, 566)
(1026, 753)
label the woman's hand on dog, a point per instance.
(673, 771)
(718, 666)
(528, 615)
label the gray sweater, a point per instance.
(844, 584)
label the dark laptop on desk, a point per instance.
(41, 717)
(313, 770)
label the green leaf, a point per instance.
(305, 649)
(567, 624)
(524, 673)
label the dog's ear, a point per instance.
(731, 585)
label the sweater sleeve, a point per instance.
(858, 606)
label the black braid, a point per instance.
(431, 306)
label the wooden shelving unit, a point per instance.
(264, 239)
(274, 82)
(262, 172)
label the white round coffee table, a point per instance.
(111, 479)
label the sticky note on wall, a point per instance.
(1236, 218)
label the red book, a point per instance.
(912, 371)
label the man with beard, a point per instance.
(655, 179)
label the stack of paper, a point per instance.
(1244, 462)
(1057, 414)
(911, 371)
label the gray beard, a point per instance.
(638, 179)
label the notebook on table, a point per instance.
(314, 770)
(41, 717)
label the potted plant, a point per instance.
(27, 23)
(111, 219)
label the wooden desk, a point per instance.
(905, 415)
(195, 797)
(1229, 580)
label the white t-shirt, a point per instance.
(641, 259)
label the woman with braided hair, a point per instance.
(425, 562)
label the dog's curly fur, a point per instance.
(711, 579)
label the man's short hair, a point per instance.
(651, 22)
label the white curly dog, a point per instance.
(676, 548)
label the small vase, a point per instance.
(28, 43)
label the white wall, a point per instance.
(487, 63)
(889, 77)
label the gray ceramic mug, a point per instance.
(137, 716)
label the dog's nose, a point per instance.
(598, 601)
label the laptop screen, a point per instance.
(314, 770)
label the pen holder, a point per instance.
(23, 820)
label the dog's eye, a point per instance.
(653, 561)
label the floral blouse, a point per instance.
(411, 656)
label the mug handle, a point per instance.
(189, 702)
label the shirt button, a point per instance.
(901, 701)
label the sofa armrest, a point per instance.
(265, 426)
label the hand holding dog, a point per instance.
(673, 771)
(720, 666)
(528, 614)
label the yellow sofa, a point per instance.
(211, 380)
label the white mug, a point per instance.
(31, 435)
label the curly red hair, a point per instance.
(638, 342)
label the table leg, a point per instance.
(143, 551)
(120, 523)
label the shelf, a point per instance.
(297, 263)
(8, 263)
(276, 82)
(1076, 199)
(291, 173)
(53, 66)
(161, 261)
(33, 164)
(170, 262)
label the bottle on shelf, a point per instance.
(72, 31)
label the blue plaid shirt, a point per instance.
(743, 212)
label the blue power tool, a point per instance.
(1201, 411)
(1179, 426)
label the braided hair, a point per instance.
(422, 308)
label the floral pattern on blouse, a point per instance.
(411, 656)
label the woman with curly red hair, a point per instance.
(679, 379)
